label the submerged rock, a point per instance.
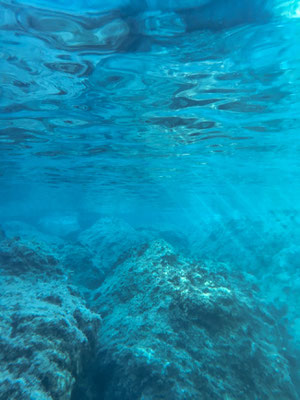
(111, 240)
(47, 332)
(47, 335)
(21, 256)
(175, 329)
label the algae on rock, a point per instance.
(177, 329)
(47, 332)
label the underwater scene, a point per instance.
(150, 200)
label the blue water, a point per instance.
(178, 116)
(160, 114)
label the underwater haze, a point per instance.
(150, 200)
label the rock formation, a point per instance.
(47, 332)
(174, 329)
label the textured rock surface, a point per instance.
(172, 328)
(268, 248)
(47, 333)
(22, 256)
(31, 252)
(179, 330)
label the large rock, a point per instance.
(21, 256)
(268, 246)
(111, 240)
(182, 330)
(47, 332)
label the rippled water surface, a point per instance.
(151, 103)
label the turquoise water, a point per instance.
(178, 117)
(125, 106)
